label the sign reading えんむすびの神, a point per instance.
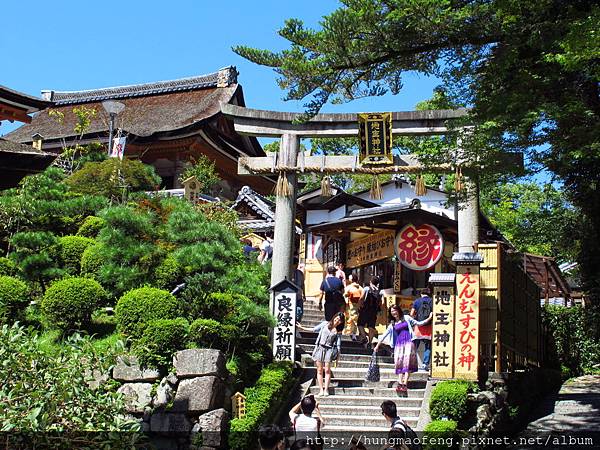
(466, 342)
(372, 248)
(375, 136)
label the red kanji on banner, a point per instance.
(419, 248)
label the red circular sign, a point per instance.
(419, 248)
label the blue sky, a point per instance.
(71, 45)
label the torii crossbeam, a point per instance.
(289, 162)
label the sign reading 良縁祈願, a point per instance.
(284, 310)
(375, 136)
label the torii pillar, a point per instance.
(286, 125)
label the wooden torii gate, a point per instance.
(290, 161)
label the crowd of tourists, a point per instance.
(350, 309)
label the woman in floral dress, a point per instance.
(405, 356)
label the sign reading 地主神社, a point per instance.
(284, 310)
(442, 339)
(375, 133)
(419, 247)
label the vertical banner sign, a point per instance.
(397, 277)
(442, 338)
(284, 334)
(375, 133)
(118, 147)
(466, 342)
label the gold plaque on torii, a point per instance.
(375, 137)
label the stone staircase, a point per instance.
(354, 403)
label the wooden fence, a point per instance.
(510, 312)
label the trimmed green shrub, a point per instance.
(92, 260)
(71, 251)
(262, 403)
(90, 227)
(8, 267)
(449, 400)
(69, 303)
(209, 333)
(168, 273)
(160, 340)
(138, 307)
(13, 299)
(218, 306)
(441, 435)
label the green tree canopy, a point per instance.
(529, 69)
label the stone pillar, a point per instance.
(468, 217)
(468, 206)
(285, 213)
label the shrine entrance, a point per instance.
(289, 162)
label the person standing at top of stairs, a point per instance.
(405, 355)
(332, 288)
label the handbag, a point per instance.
(373, 370)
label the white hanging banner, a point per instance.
(118, 147)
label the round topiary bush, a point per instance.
(14, 297)
(138, 307)
(8, 267)
(160, 340)
(91, 226)
(69, 303)
(440, 433)
(71, 250)
(211, 334)
(168, 273)
(92, 260)
(449, 400)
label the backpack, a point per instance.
(409, 438)
(372, 300)
(425, 309)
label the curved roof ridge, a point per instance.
(222, 78)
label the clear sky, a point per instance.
(72, 45)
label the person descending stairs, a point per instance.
(353, 404)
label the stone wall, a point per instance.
(185, 409)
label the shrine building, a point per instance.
(167, 124)
(363, 233)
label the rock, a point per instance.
(172, 379)
(199, 395)
(164, 394)
(484, 414)
(128, 369)
(170, 423)
(137, 396)
(95, 377)
(213, 426)
(145, 427)
(147, 414)
(198, 362)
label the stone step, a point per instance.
(344, 433)
(347, 342)
(369, 392)
(369, 400)
(362, 411)
(357, 372)
(308, 348)
(334, 420)
(359, 381)
(344, 362)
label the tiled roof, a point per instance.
(14, 147)
(150, 108)
(222, 78)
(256, 202)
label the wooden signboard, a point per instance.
(442, 338)
(375, 133)
(466, 342)
(284, 334)
(372, 248)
